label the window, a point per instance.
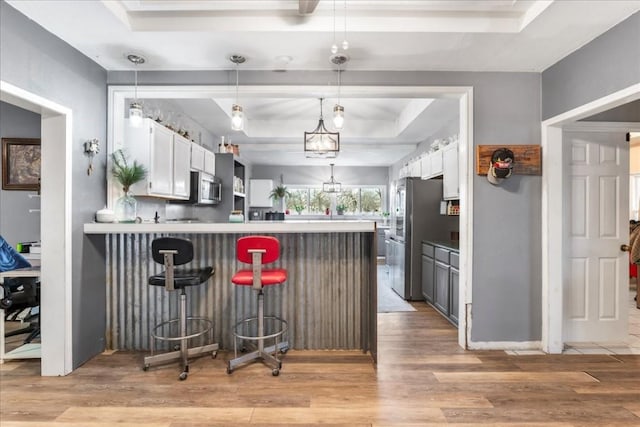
(352, 200)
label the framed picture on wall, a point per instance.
(21, 164)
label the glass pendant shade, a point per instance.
(320, 143)
(237, 117)
(135, 114)
(338, 116)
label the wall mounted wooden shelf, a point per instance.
(528, 160)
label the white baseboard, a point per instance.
(505, 345)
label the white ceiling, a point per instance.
(454, 35)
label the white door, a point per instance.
(596, 285)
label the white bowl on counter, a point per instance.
(105, 215)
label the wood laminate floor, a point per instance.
(422, 379)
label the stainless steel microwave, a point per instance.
(205, 189)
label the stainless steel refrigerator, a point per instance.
(415, 217)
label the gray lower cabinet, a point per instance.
(440, 279)
(442, 288)
(428, 277)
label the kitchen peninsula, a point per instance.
(329, 298)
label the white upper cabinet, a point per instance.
(202, 159)
(209, 162)
(197, 157)
(415, 168)
(425, 166)
(154, 146)
(436, 163)
(450, 175)
(181, 166)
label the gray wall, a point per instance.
(16, 223)
(33, 59)
(625, 113)
(607, 64)
(506, 300)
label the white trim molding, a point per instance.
(56, 236)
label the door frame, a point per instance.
(55, 224)
(553, 246)
(464, 94)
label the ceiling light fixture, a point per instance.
(345, 43)
(338, 110)
(334, 46)
(237, 115)
(135, 108)
(331, 186)
(320, 142)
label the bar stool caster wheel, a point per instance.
(214, 354)
(229, 370)
(145, 368)
(183, 376)
(275, 372)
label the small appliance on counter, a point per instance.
(274, 216)
(255, 215)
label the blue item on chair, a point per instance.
(10, 259)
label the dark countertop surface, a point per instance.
(453, 245)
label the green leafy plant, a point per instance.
(341, 208)
(279, 193)
(125, 173)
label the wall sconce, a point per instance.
(91, 148)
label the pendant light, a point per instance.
(338, 110)
(135, 108)
(237, 114)
(320, 142)
(331, 186)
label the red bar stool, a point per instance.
(257, 251)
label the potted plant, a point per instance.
(279, 193)
(126, 174)
(341, 208)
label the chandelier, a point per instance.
(331, 186)
(320, 143)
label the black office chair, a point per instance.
(171, 252)
(19, 295)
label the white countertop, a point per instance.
(222, 227)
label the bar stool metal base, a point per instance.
(268, 355)
(182, 352)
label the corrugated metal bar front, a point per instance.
(326, 299)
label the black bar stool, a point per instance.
(172, 251)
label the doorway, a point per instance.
(55, 226)
(554, 227)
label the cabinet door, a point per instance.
(197, 157)
(161, 158)
(428, 278)
(454, 286)
(436, 163)
(425, 167)
(209, 162)
(450, 173)
(181, 167)
(442, 287)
